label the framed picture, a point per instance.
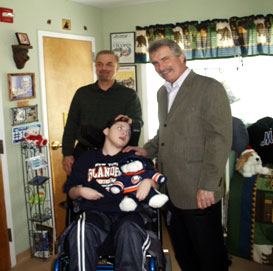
(21, 86)
(123, 45)
(25, 114)
(126, 76)
(22, 38)
(66, 24)
(19, 133)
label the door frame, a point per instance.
(41, 35)
(6, 187)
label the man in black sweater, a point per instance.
(94, 105)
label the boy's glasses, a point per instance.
(124, 130)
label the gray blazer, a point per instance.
(193, 140)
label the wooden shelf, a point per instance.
(20, 55)
(22, 46)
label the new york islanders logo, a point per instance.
(136, 179)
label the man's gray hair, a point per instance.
(174, 47)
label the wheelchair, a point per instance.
(152, 219)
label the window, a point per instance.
(248, 82)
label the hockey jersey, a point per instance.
(97, 171)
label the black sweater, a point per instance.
(91, 109)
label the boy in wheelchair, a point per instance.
(101, 221)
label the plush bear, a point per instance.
(133, 170)
(33, 137)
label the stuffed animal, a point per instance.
(250, 164)
(134, 169)
(33, 137)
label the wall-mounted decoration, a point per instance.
(126, 76)
(20, 55)
(66, 24)
(19, 132)
(21, 86)
(25, 114)
(123, 45)
(22, 38)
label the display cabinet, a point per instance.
(37, 189)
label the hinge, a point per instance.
(1, 147)
(10, 234)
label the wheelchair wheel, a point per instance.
(152, 266)
(61, 264)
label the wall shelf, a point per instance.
(20, 55)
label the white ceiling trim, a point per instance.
(114, 3)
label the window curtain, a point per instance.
(245, 36)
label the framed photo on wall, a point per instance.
(22, 38)
(25, 114)
(127, 77)
(123, 45)
(21, 86)
(19, 132)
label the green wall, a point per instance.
(32, 15)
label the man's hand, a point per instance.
(204, 198)
(124, 118)
(144, 189)
(138, 150)
(68, 162)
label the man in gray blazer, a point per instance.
(191, 146)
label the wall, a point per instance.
(31, 16)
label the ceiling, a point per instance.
(114, 3)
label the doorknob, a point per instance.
(55, 145)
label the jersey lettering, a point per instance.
(105, 174)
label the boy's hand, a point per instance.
(144, 189)
(90, 194)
